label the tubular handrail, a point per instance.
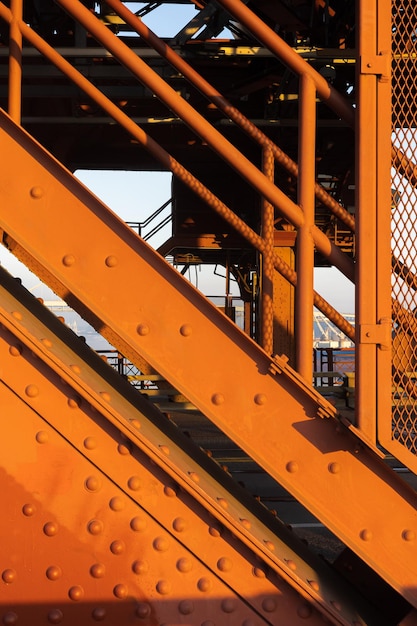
(165, 51)
(169, 162)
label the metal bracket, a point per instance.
(378, 65)
(378, 334)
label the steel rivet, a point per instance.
(142, 330)
(53, 572)
(76, 369)
(215, 531)
(186, 330)
(140, 567)
(223, 503)
(224, 564)
(99, 614)
(32, 391)
(50, 529)
(134, 483)
(269, 545)
(120, 591)
(138, 524)
(105, 395)
(92, 483)
(117, 547)
(194, 476)
(179, 524)
(217, 399)
(365, 534)
(76, 593)
(123, 449)
(246, 523)
(165, 450)
(143, 610)
(117, 504)
(269, 605)
(186, 607)
(258, 572)
(28, 510)
(334, 468)
(42, 436)
(408, 535)
(314, 585)
(260, 398)
(204, 584)
(97, 570)
(17, 315)
(9, 576)
(228, 605)
(304, 611)
(90, 443)
(15, 350)
(163, 587)
(74, 403)
(47, 343)
(161, 544)
(10, 618)
(135, 423)
(292, 467)
(68, 260)
(184, 565)
(95, 527)
(55, 616)
(291, 564)
(36, 192)
(111, 261)
(170, 491)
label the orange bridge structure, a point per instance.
(213, 477)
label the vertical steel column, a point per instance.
(267, 333)
(305, 243)
(373, 207)
(15, 61)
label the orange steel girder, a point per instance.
(146, 309)
(43, 360)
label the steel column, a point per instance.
(15, 61)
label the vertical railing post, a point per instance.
(373, 214)
(267, 332)
(305, 244)
(15, 61)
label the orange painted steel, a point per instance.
(267, 229)
(224, 105)
(207, 132)
(133, 428)
(15, 61)
(259, 404)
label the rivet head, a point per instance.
(140, 567)
(134, 483)
(117, 504)
(215, 531)
(50, 529)
(160, 544)
(260, 399)
(138, 524)
(68, 260)
(408, 535)
(334, 468)
(304, 611)
(47, 343)
(292, 467)
(269, 605)
(186, 330)
(143, 610)
(15, 350)
(170, 491)
(204, 584)
(365, 534)
(258, 572)
(194, 477)
(314, 585)
(42, 436)
(105, 395)
(28, 509)
(97, 570)
(111, 261)
(228, 605)
(246, 523)
(184, 565)
(269, 545)
(186, 607)
(179, 525)
(92, 483)
(95, 527)
(90, 443)
(135, 423)
(223, 503)
(10, 618)
(55, 616)
(117, 547)
(164, 449)
(32, 391)
(99, 614)
(143, 330)
(36, 192)
(224, 564)
(76, 593)
(76, 369)
(163, 587)
(291, 564)
(120, 591)
(17, 315)
(123, 449)
(54, 572)
(73, 403)
(9, 576)
(217, 399)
